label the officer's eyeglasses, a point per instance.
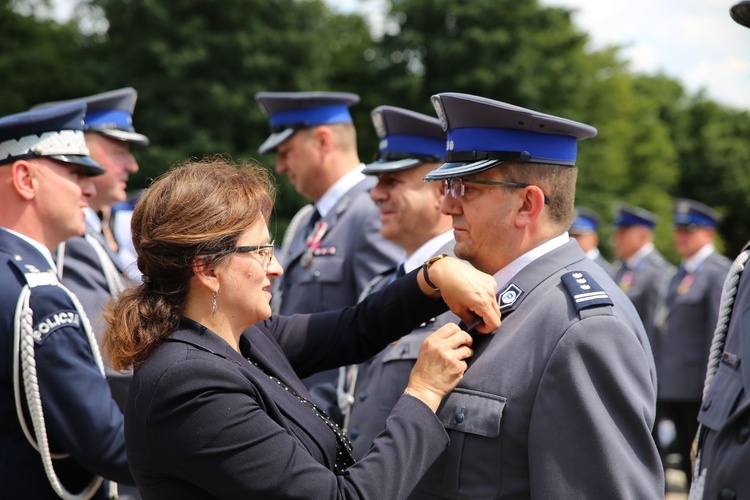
(456, 188)
(264, 253)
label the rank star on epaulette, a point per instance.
(584, 290)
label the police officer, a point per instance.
(67, 432)
(585, 230)
(724, 435)
(88, 264)
(641, 271)
(692, 309)
(335, 248)
(560, 402)
(411, 145)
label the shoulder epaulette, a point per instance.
(585, 291)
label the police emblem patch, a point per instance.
(53, 322)
(509, 296)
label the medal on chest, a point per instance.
(685, 284)
(313, 242)
(626, 281)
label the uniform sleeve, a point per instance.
(205, 425)
(590, 429)
(331, 339)
(81, 417)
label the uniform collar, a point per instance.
(692, 264)
(635, 260)
(427, 250)
(38, 246)
(504, 275)
(92, 220)
(334, 193)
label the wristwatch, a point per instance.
(426, 267)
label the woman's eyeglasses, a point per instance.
(456, 188)
(264, 252)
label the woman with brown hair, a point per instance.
(216, 408)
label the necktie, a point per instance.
(678, 277)
(311, 224)
(401, 271)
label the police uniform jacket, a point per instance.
(382, 379)
(80, 416)
(82, 274)
(351, 253)
(693, 308)
(204, 421)
(645, 286)
(558, 402)
(725, 413)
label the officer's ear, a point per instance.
(23, 179)
(325, 138)
(531, 205)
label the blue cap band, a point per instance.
(693, 218)
(337, 113)
(584, 223)
(414, 144)
(626, 219)
(114, 118)
(560, 148)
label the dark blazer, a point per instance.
(725, 413)
(686, 338)
(82, 274)
(382, 379)
(80, 416)
(558, 403)
(203, 421)
(645, 286)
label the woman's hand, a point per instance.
(470, 293)
(440, 365)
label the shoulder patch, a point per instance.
(55, 321)
(584, 290)
(509, 296)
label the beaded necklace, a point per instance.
(344, 457)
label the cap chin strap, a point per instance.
(23, 353)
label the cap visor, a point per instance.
(274, 141)
(382, 166)
(133, 138)
(449, 170)
(741, 13)
(91, 167)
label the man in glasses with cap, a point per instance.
(585, 230)
(411, 145)
(60, 429)
(89, 265)
(723, 439)
(560, 402)
(690, 310)
(334, 247)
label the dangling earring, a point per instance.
(215, 294)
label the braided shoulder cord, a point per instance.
(111, 273)
(728, 294)
(23, 353)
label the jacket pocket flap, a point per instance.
(722, 397)
(472, 412)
